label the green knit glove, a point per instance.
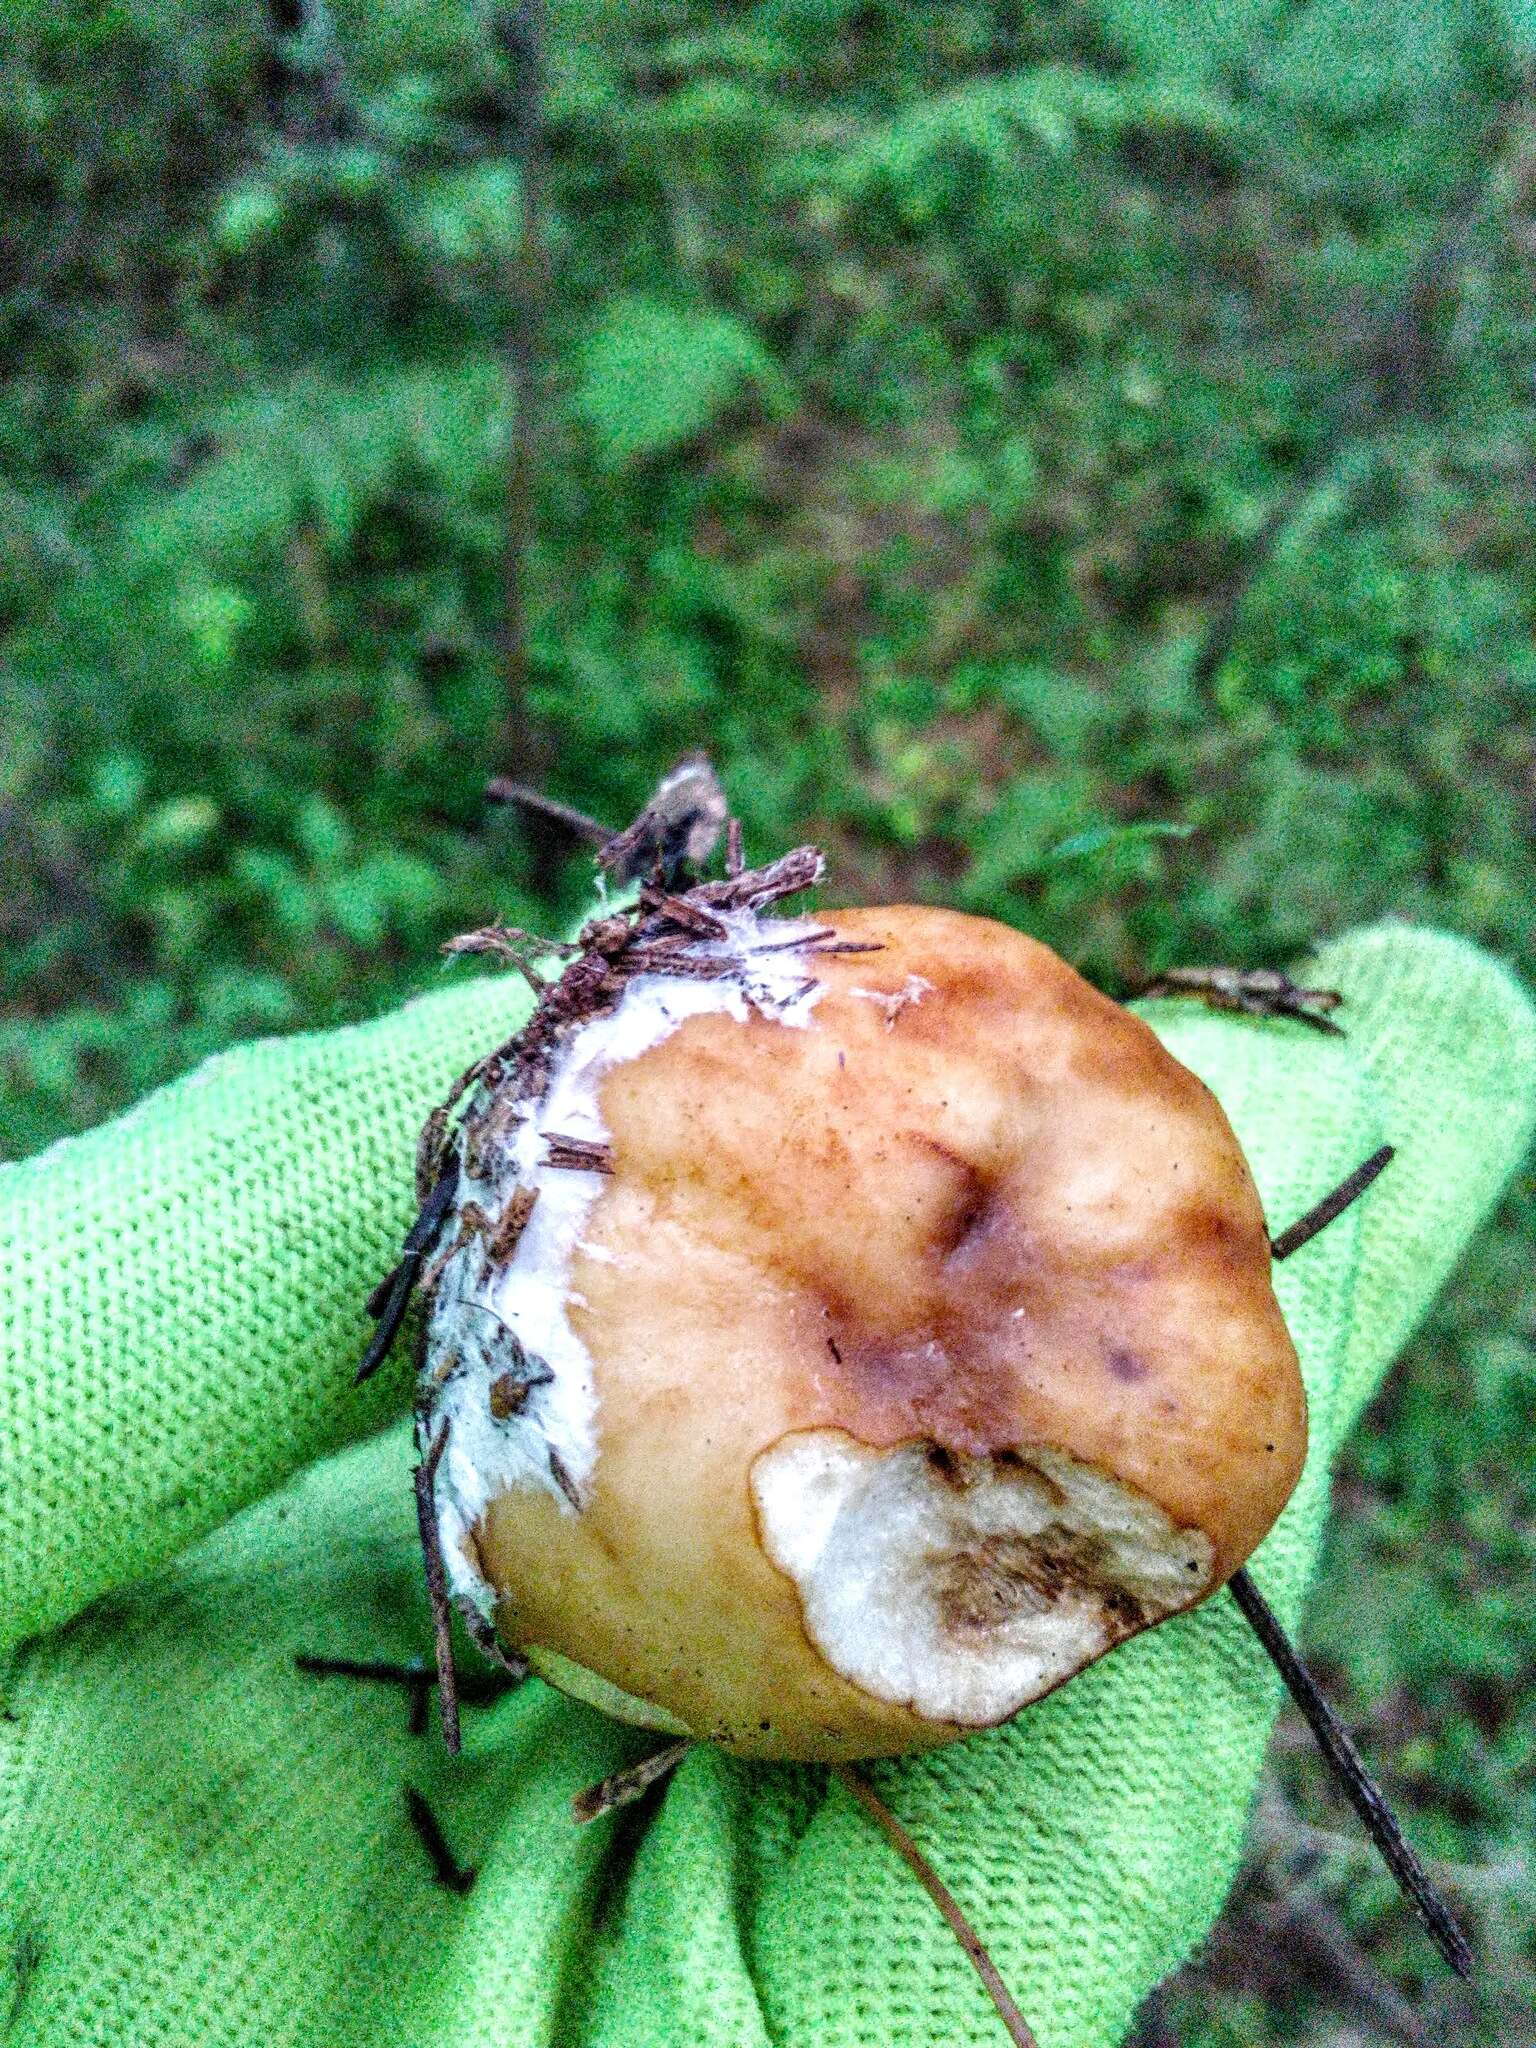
(201, 1846)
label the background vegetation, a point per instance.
(985, 428)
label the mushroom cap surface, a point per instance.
(934, 1352)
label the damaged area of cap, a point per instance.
(503, 1365)
(965, 1587)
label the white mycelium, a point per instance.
(966, 1587)
(894, 1001)
(490, 1320)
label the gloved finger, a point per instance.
(1447, 1037)
(203, 1847)
(184, 1293)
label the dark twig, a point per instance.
(687, 917)
(432, 1146)
(512, 1666)
(756, 888)
(801, 942)
(511, 944)
(1363, 1793)
(452, 1875)
(391, 1298)
(1251, 992)
(514, 1221)
(622, 1786)
(1332, 1206)
(502, 790)
(437, 1590)
(679, 828)
(563, 1479)
(1012, 2019)
(665, 959)
(578, 1155)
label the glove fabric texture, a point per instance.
(201, 1847)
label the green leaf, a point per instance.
(655, 376)
(1102, 838)
(926, 154)
(470, 216)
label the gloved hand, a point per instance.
(201, 1846)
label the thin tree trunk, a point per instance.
(522, 39)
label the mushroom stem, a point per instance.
(855, 1781)
(1362, 1791)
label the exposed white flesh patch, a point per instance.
(966, 1587)
(489, 1321)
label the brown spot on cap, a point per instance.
(1126, 1366)
(928, 1383)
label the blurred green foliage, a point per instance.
(918, 378)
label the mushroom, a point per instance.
(845, 1332)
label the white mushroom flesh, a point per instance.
(966, 1587)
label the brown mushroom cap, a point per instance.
(934, 1348)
